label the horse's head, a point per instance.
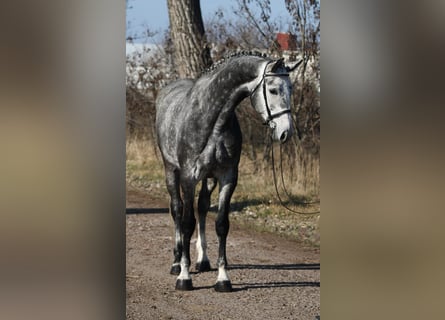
(271, 98)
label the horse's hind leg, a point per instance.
(184, 281)
(227, 186)
(202, 263)
(176, 208)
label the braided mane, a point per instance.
(216, 65)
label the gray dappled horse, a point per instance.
(200, 140)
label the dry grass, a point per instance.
(254, 203)
(144, 169)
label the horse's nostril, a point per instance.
(283, 136)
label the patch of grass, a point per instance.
(144, 170)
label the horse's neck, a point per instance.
(224, 93)
(216, 98)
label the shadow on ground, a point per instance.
(146, 210)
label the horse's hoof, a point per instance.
(184, 284)
(223, 286)
(175, 270)
(203, 266)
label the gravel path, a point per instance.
(272, 278)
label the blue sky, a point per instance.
(152, 14)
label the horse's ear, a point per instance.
(293, 66)
(277, 64)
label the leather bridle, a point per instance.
(270, 116)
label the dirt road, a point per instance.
(272, 278)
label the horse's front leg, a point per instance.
(184, 281)
(227, 186)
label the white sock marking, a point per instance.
(184, 275)
(222, 274)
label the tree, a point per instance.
(191, 54)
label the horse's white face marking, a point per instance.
(272, 100)
(278, 91)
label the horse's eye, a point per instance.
(273, 91)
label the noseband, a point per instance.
(270, 116)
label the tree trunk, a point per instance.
(191, 54)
